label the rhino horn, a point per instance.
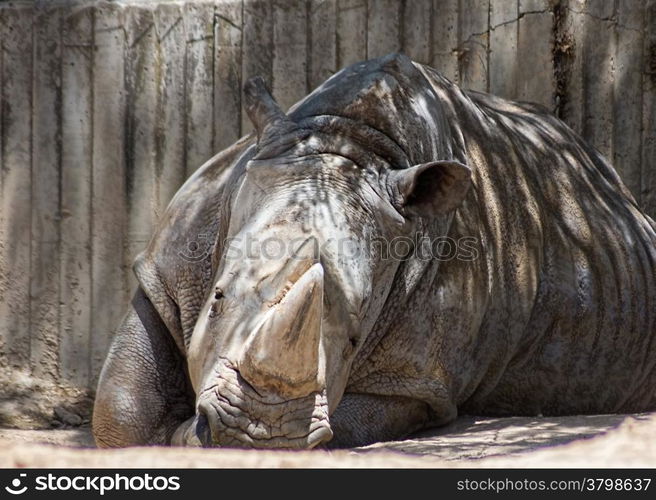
(282, 355)
(263, 111)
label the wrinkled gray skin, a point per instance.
(556, 315)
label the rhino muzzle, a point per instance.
(233, 414)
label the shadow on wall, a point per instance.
(108, 106)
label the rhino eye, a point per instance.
(218, 294)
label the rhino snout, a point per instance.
(232, 413)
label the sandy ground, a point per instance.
(577, 441)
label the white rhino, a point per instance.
(333, 340)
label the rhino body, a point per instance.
(554, 313)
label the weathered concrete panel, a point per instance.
(322, 42)
(109, 271)
(504, 19)
(473, 44)
(76, 149)
(15, 183)
(289, 81)
(627, 94)
(573, 24)
(384, 19)
(416, 30)
(599, 72)
(46, 156)
(351, 32)
(648, 143)
(535, 42)
(142, 69)
(199, 89)
(444, 31)
(170, 136)
(227, 73)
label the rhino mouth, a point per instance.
(231, 413)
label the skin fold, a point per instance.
(549, 308)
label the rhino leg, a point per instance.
(143, 393)
(362, 419)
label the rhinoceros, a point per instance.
(270, 315)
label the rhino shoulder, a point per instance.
(176, 265)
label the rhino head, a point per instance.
(298, 283)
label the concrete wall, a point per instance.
(106, 107)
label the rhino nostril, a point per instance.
(194, 431)
(202, 428)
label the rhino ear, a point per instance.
(430, 189)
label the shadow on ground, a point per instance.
(575, 441)
(479, 437)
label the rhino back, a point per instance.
(568, 264)
(557, 314)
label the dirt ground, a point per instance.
(577, 441)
